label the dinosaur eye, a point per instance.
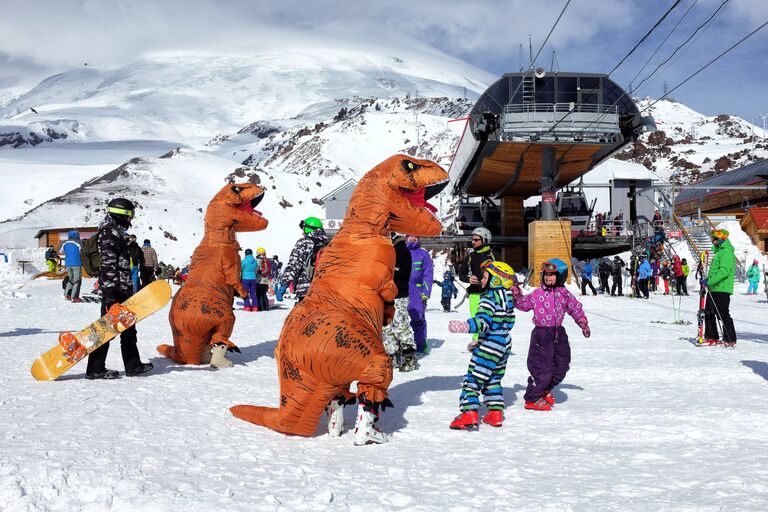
(236, 190)
(409, 166)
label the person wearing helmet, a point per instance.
(494, 319)
(470, 270)
(301, 263)
(264, 270)
(420, 289)
(116, 285)
(719, 285)
(549, 354)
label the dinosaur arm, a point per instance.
(230, 267)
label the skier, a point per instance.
(116, 285)
(419, 291)
(753, 276)
(449, 288)
(51, 258)
(150, 265)
(72, 263)
(616, 271)
(604, 272)
(262, 279)
(549, 353)
(470, 270)
(586, 278)
(643, 276)
(665, 273)
(301, 263)
(719, 282)
(397, 335)
(494, 319)
(248, 277)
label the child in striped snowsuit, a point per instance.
(494, 319)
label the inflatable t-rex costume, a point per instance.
(201, 313)
(333, 337)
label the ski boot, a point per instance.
(494, 418)
(409, 363)
(711, 342)
(120, 317)
(729, 344)
(218, 359)
(467, 420)
(366, 431)
(538, 405)
(72, 347)
(335, 412)
(549, 398)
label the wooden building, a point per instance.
(755, 224)
(57, 236)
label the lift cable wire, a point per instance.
(677, 2)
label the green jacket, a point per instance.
(753, 274)
(686, 270)
(723, 268)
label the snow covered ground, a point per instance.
(645, 421)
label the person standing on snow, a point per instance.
(654, 274)
(470, 270)
(137, 261)
(51, 258)
(719, 282)
(549, 354)
(665, 273)
(419, 291)
(301, 264)
(263, 272)
(753, 276)
(248, 278)
(449, 288)
(150, 264)
(73, 264)
(644, 273)
(116, 285)
(586, 278)
(397, 334)
(494, 319)
(677, 272)
(616, 270)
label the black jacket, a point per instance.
(403, 266)
(472, 264)
(115, 272)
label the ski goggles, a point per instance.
(719, 234)
(120, 211)
(549, 268)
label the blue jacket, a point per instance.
(71, 250)
(448, 286)
(587, 270)
(249, 267)
(644, 272)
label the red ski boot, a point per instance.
(467, 420)
(494, 418)
(712, 342)
(538, 405)
(549, 398)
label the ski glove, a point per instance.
(458, 326)
(584, 328)
(424, 297)
(280, 291)
(703, 282)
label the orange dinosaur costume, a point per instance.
(333, 337)
(201, 313)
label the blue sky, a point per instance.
(47, 37)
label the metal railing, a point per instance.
(517, 108)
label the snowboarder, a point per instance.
(753, 276)
(248, 278)
(150, 266)
(494, 319)
(719, 282)
(301, 263)
(616, 270)
(449, 288)
(116, 285)
(72, 263)
(549, 353)
(470, 269)
(397, 335)
(419, 291)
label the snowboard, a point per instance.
(73, 347)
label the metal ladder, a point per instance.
(529, 90)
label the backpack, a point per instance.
(90, 256)
(311, 267)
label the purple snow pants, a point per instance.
(418, 322)
(251, 300)
(549, 357)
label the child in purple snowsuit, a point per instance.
(419, 290)
(549, 354)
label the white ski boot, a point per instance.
(335, 413)
(366, 431)
(218, 359)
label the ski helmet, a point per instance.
(121, 209)
(248, 252)
(501, 274)
(310, 224)
(555, 266)
(483, 233)
(261, 250)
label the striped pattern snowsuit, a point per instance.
(494, 318)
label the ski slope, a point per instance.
(645, 421)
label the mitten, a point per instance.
(424, 297)
(458, 326)
(584, 328)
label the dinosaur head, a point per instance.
(393, 196)
(233, 208)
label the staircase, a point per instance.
(698, 240)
